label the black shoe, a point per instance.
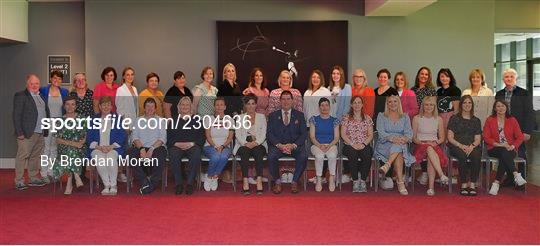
(508, 182)
(189, 190)
(259, 192)
(464, 192)
(145, 190)
(179, 190)
(472, 192)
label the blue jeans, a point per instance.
(218, 160)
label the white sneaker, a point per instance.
(387, 183)
(204, 176)
(105, 191)
(290, 177)
(363, 187)
(430, 192)
(345, 179)
(423, 179)
(313, 180)
(122, 178)
(494, 189)
(519, 179)
(214, 184)
(113, 191)
(285, 178)
(252, 181)
(207, 184)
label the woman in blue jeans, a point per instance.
(218, 144)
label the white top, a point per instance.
(219, 133)
(427, 128)
(125, 105)
(311, 102)
(258, 129)
(335, 93)
(55, 106)
(483, 103)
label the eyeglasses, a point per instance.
(356, 76)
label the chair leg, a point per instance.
(413, 178)
(234, 173)
(374, 165)
(91, 181)
(164, 178)
(450, 175)
(128, 174)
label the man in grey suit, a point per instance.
(28, 110)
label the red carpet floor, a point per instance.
(37, 216)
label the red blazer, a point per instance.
(408, 103)
(512, 132)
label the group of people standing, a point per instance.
(283, 123)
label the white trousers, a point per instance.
(331, 154)
(108, 170)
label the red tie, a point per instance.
(286, 118)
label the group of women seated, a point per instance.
(421, 118)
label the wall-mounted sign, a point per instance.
(60, 63)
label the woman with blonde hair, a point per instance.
(408, 97)
(428, 135)
(394, 129)
(230, 90)
(361, 88)
(482, 96)
(285, 82)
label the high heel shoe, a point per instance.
(401, 188)
(384, 168)
(244, 189)
(69, 189)
(444, 180)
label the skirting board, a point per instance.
(7, 163)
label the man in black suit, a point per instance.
(521, 107)
(28, 110)
(286, 136)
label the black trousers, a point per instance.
(193, 154)
(359, 160)
(257, 153)
(155, 171)
(469, 166)
(506, 161)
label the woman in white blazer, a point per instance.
(483, 96)
(127, 96)
(126, 102)
(251, 142)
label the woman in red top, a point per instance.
(361, 88)
(503, 137)
(107, 87)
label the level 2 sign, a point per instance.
(60, 63)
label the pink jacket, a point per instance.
(408, 103)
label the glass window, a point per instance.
(505, 52)
(521, 68)
(521, 50)
(536, 89)
(536, 47)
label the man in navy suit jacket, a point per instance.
(286, 136)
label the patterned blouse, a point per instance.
(357, 130)
(70, 151)
(424, 92)
(275, 104)
(85, 106)
(206, 101)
